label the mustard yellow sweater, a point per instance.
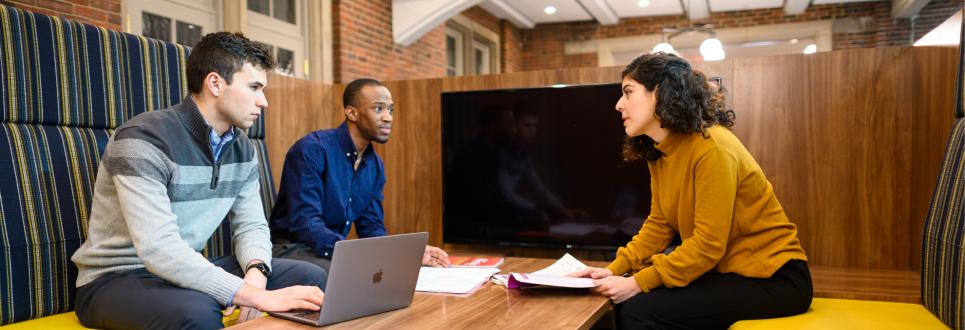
(712, 192)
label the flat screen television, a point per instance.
(539, 167)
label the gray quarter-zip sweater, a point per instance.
(160, 194)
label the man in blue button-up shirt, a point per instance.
(333, 178)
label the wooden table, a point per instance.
(491, 306)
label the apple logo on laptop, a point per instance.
(377, 277)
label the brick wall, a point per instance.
(482, 17)
(885, 30)
(511, 47)
(364, 47)
(544, 45)
(510, 43)
(103, 13)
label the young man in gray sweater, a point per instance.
(166, 180)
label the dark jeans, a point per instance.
(285, 248)
(140, 300)
(715, 300)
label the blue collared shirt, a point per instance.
(322, 195)
(219, 141)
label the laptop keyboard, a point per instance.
(308, 315)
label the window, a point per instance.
(188, 34)
(156, 26)
(283, 25)
(286, 61)
(480, 54)
(280, 25)
(176, 21)
(159, 27)
(454, 57)
(470, 48)
(260, 6)
(283, 10)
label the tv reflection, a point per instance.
(509, 198)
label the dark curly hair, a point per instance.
(224, 53)
(686, 102)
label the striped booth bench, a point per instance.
(64, 88)
(942, 260)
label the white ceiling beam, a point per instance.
(906, 8)
(796, 7)
(411, 19)
(500, 8)
(601, 11)
(696, 9)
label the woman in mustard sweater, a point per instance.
(740, 257)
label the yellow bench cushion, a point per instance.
(70, 321)
(851, 314)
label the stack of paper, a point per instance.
(565, 265)
(518, 280)
(452, 280)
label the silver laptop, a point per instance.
(368, 276)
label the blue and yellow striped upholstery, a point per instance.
(64, 87)
(943, 241)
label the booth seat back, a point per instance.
(943, 241)
(64, 88)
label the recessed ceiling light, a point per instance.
(794, 41)
(811, 49)
(550, 10)
(643, 3)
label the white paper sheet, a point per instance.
(452, 280)
(564, 265)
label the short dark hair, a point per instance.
(354, 90)
(224, 53)
(686, 103)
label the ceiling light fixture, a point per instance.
(643, 3)
(549, 10)
(711, 49)
(811, 49)
(664, 47)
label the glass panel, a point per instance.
(286, 61)
(479, 61)
(450, 51)
(188, 34)
(156, 26)
(259, 6)
(285, 10)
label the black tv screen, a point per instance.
(539, 166)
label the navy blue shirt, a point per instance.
(322, 195)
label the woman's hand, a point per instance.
(591, 272)
(618, 288)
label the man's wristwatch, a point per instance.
(261, 267)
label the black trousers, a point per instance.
(715, 300)
(140, 300)
(289, 249)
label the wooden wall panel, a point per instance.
(849, 139)
(832, 135)
(933, 86)
(295, 108)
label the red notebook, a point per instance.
(475, 261)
